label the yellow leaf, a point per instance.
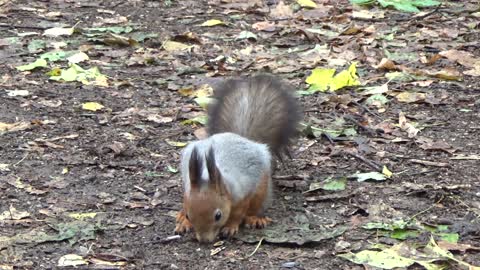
(176, 144)
(387, 172)
(186, 92)
(212, 23)
(307, 3)
(345, 78)
(173, 46)
(92, 106)
(320, 78)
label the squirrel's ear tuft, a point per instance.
(215, 178)
(195, 169)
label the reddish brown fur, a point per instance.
(201, 205)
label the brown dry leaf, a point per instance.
(407, 127)
(17, 182)
(387, 64)
(456, 246)
(410, 97)
(446, 74)
(429, 144)
(475, 71)
(464, 58)
(264, 26)
(422, 83)
(13, 214)
(200, 133)
(156, 118)
(281, 11)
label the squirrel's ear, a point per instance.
(195, 169)
(215, 178)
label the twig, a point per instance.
(427, 209)
(256, 248)
(430, 163)
(370, 163)
(22, 26)
(290, 177)
(370, 131)
(164, 240)
(367, 109)
(20, 161)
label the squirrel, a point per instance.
(227, 176)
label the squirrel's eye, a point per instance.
(218, 215)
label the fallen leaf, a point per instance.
(410, 97)
(38, 63)
(92, 106)
(212, 22)
(59, 31)
(307, 3)
(369, 176)
(406, 126)
(173, 46)
(71, 260)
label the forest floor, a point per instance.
(89, 168)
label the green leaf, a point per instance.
(172, 169)
(425, 3)
(201, 119)
(402, 5)
(331, 184)
(449, 237)
(386, 259)
(403, 234)
(361, 2)
(376, 98)
(36, 45)
(77, 73)
(38, 63)
(112, 29)
(142, 36)
(246, 35)
(204, 101)
(361, 177)
(54, 56)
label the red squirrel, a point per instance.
(227, 176)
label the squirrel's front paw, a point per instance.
(183, 224)
(257, 222)
(229, 230)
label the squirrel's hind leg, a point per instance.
(255, 217)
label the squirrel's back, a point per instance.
(260, 108)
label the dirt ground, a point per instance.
(119, 163)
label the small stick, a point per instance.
(370, 163)
(430, 163)
(256, 248)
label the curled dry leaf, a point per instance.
(407, 127)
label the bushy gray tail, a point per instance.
(261, 108)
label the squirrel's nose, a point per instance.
(205, 238)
